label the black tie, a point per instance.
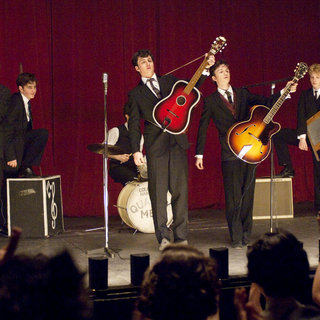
(316, 94)
(156, 90)
(229, 96)
(30, 115)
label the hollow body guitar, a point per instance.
(173, 113)
(250, 140)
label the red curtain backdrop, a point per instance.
(69, 44)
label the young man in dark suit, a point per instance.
(225, 107)
(309, 105)
(25, 145)
(166, 153)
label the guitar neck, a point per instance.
(277, 105)
(195, 77)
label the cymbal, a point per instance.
(99, 148)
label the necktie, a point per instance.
(29, 114)
(156, 90)
(229, 96)
(316, 94)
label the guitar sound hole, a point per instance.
(181, 100)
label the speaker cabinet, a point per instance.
(35, 205)
(282, 203)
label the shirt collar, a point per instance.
(144, 80)
(25, 99)
(223, 92)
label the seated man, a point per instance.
(279, 270)
(183, 284)
(122, 167)
(24, 146)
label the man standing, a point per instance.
(25, 145)
(225, 107)
(308, 106)
(166, 153)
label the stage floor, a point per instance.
(207, 229)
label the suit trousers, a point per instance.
(287, 137)
(239, 184)
(169, 172)
(281, 140)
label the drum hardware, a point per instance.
(99, 149)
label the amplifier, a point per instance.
(35, 205)
(282, 202)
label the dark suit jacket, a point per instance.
(214, 108)
(17, 124)
(142, 102)
(307, 107)
(4, 105)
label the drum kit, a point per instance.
(133, 204)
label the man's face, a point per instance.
(145, 67)
(315, 80)
(29, 90)
(222, 76)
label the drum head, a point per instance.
(138, 212)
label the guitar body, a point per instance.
(173, 113)
(250, 140)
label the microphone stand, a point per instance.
(109, 252)
(273, 85)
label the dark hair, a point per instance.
(183, 284)
(25, 78)
(217, 65)
(279, 264)
(143, 53)
(40, 288)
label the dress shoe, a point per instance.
(27, 173)
(164, 243)
(236, 245)
(286, 173)
(184, 242)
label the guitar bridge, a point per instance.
(172, 113)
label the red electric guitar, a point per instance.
(173, 113)
(250, 140)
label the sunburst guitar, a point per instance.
(172, 113)
(250, 140)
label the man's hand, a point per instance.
(211, 60)
(294, 86)
(199, 163)
(9, 249)
(12, 163)
(122, 157)
(138, 158)
(303, 144)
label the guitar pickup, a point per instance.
(172, 113)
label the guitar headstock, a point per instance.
(218, 45)
(300, 70)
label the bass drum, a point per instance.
(134, 207)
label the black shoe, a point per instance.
(286, 173)
(27, 173)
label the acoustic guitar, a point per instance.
(250, 140)
(172, 113)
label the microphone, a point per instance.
(105, 81)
